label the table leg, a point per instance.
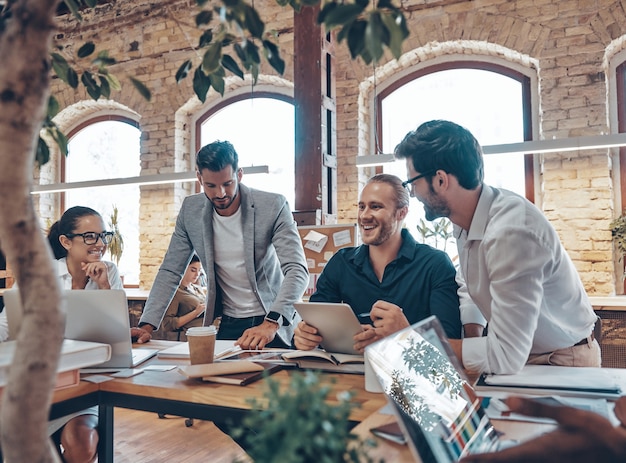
(105, 433)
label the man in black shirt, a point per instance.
(391, 277)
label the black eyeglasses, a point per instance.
(409, 183)
(92, 237)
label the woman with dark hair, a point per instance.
(79, 241)
(187, 307)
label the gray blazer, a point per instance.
(275, 261)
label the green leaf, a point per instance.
(53, 107)
(375, 35)
(204, 17)
(211, 59)
(60, 139)
(254, 70)
(229, 63)
(105, 88)
(72, 78)
(342, 14)
(42, 156)
(183, 70)
(201, 84)
(60, 66)
(91, 85)
(141, 88)
(86, 50)
(398, 31)
(356, 38)
(103, 60)
(241, 54)
(73, 7)
(253, 22)
(252, 52)
(217, 82)
(324, 11)
(205, 38)
(113, 82)
(272, 54)
(91, 3)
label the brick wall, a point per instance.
(567, 44)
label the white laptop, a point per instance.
(92, 315)
(436, 407)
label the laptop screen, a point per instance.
(435, 405)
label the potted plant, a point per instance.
(116, 246)
(299, 424)
(618, 232)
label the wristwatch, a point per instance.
(275, 317)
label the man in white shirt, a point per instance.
(512, 264)
(248, 243)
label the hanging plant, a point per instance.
(116, 246)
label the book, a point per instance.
(318, 359)
(181, 350)
(74, 356)
(390, 431)
(553, 380)
(240, 372)
(242, 379)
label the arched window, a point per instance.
(491, 101)
(105, 148)
(261, 128)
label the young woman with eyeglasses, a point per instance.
(79, 240)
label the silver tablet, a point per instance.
(336, 323)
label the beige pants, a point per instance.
(585, 355)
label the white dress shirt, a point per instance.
(515, 270)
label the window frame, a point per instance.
(524, 80)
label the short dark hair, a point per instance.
(447, 146)
(194, 258)
(66, 225)
(401, 195)
(216, 156)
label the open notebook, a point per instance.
(436, 407)
(95, 316)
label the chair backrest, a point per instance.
(597, 330)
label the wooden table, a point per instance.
(172, 393)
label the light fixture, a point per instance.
(156, 179)
(527, 147)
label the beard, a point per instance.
(226, 202)
(435, 207)
(384, 231)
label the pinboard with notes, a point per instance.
(320, 243)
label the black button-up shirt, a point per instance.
(420, 281)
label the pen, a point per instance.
(364, 314)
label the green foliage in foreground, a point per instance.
(300, 425)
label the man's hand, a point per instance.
(387, 318)
(306, 337)
(97, 272)
(141, 335)
(258, 336)
(365, 337)
(582, 436)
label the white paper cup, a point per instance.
(201, 344)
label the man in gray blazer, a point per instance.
(248, 244)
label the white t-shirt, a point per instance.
(238, 298)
